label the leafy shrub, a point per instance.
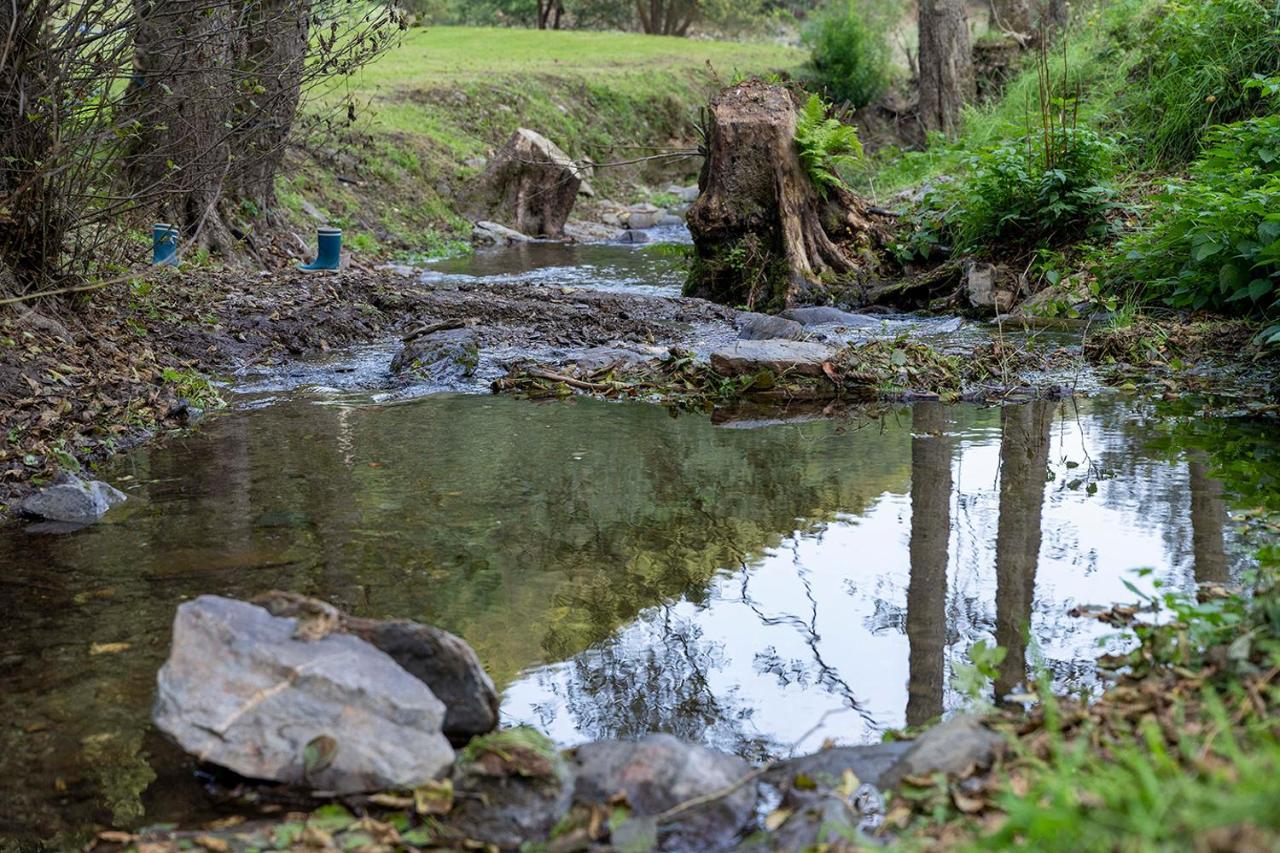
(1214, 238)
(826, 145)
(1041, 191)
(1193, 55)
(849, 54)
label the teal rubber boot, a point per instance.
(329, 254)
(164, 244)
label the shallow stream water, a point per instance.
(618, 569)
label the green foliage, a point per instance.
(1043, 190)
(1192, 56)
(826, 145)
(849, 53)
(1214, 238)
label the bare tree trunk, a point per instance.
(930, 535)
(180, 109)
(273, 68)
(762, 234)
(1059, 14)
(1208, 515)
(666, 17)
(1024, 460)
(946, 64)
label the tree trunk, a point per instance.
(1024, 460)
(33, 217)
(946, 64)
(666, 17)
(274, 64)
(763, 236)
(930, 535)
(1208, 515)
(1012, 16)
(179, 110)
(1059, 14)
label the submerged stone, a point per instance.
(241, 689)
(73, 501)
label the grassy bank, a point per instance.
(446, 96)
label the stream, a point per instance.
(618, 569)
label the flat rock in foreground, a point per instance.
(240, 690)
(951, 748)
(778, 356)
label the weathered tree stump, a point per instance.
(763, 235)
(530, 185)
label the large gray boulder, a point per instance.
(245, 690)
(530, 185)
(951, 748)
(659, 772)
(442, 661)
(800, 357)
(72, 501)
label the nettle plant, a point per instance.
(1213, 240)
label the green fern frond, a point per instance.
(826, 146)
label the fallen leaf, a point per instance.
(108, 648)
(208, 842)
(777, 818)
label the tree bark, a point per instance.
(666, 17)
(762, 234)
(1024, 460)
(273, 68)
(179, 111)
(946, 64)
(930, 536)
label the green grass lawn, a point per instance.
(446, 95)
(453, 56)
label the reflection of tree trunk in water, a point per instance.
(1207, 514)
(1024, 460)
(930, 534)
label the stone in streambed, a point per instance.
(510, 788)
(798, 357)
(819, 315)
(444, 662)
(242, 691)
(764, 327)
(658, 772)
(72, 501)
(443, 356)
(951, 748)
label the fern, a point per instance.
(826, 146)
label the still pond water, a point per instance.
(619, 570)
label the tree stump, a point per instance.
(763, 235)
(530, 185)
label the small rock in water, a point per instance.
(777, 356)
(73, 501)
(494, 232)
(982, 283)
(442, 356)
(241, 690)
(763, 327)
(629, 236)
(951, 747)
(658, 772)
(819, 315)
